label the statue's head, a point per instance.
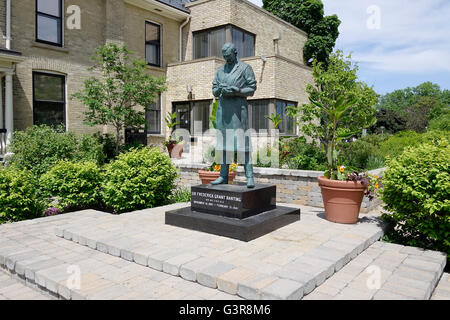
(229, 52)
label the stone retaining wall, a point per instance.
(293, 186)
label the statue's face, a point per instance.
(229, 56)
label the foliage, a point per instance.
(213, 116)
(442, 123)
(171, 122)
(73, 184)
(308, 15)
(52, 211)
(180, 195)
(395, 145)
(340, 106)
(415, 106)
(39, 148)
(388, 121)
(417, 196)
(19, 196)
(275, 119)
(296, 153)
(418, 114)
(138, 179)
(357, 153)
(124, 85)
(370, 181)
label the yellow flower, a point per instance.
(341, 168)
(376, 177)
(217, 167)
(376, 186)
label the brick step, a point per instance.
(386, 271)
(15, 288)
(285, 264)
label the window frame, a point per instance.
(64, 91)
(250, 114)
(61, 26)
(191, 106)
(159, 116)
(228, 38)
(288, 103)
(243, 38)
(152, 42)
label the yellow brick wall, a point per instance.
(212, 13)
(101, 21)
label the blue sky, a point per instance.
(397, 43)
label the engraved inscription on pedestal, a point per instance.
(233, 201)
(212, 200)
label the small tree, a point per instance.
(125, 85)
(340, 106)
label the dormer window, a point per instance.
(49, 22)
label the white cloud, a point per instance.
(413, 35)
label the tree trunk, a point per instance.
(117, 140)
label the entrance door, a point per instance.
(183, 116)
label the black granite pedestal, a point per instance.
(233, 211)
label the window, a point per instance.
(49, 99)
(153, 117)
(287, 125)
(244, 42)
(183, 116)
(258, 109)
(200, 113)
(153, 44)
(209, 43)
(190, 112)
(49, 21)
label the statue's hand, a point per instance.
(227, 91)
(230, 90)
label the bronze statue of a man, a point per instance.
(233, 83)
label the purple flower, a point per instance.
(52, 211)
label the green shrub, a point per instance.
(296, 153)
(416, 192)
(374, 162)
(181, 195)
(19, 198)
(358, 153)
(73, 184)
(442, 123)
(39, 148)
(395, 145)
(138, 179)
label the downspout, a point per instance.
(8, 24)
(181, 37)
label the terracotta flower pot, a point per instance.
(208, 176)
(341, 199)
(175, 150)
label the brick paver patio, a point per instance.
(137, 256)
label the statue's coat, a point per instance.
(232, 111)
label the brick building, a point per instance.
(45, 54)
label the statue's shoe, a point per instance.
(250, 183)
(220, 180)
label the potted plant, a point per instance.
(340, 107)
(212, 172)
(174, 146)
